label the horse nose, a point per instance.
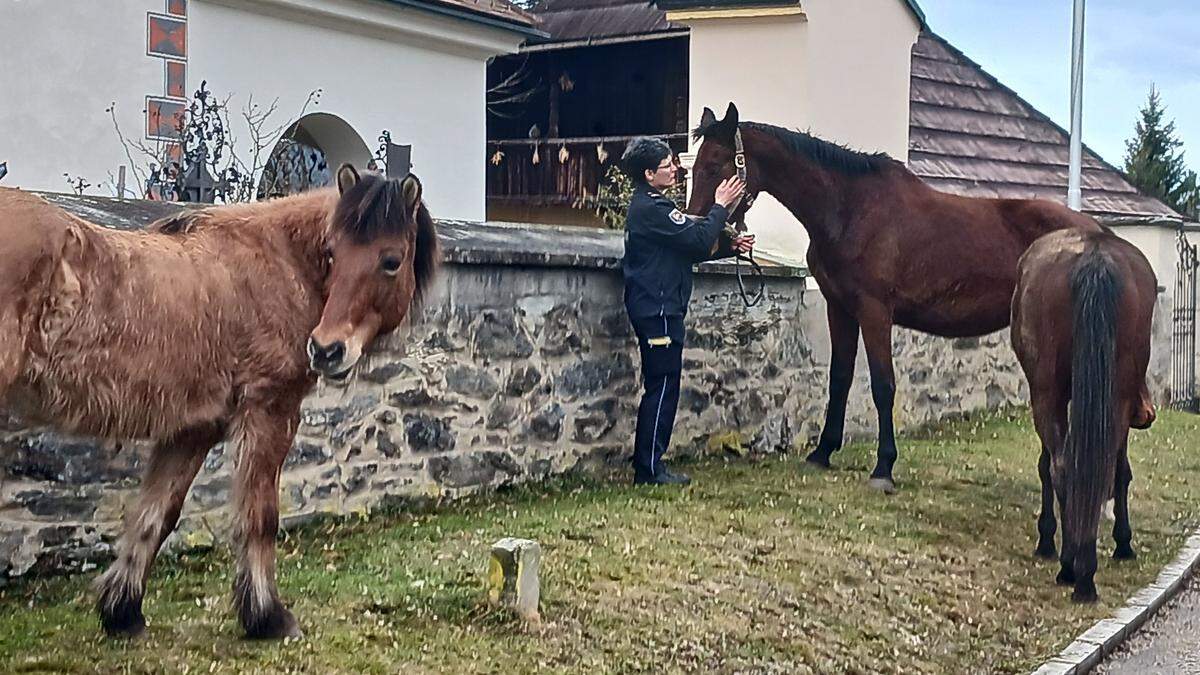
(323, 356)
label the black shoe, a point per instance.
(664, 477)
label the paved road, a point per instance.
(1168, 644)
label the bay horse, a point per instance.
(886, 250)
(210, 326)
(1081, 321)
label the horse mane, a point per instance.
(375, 206)
(180, 223)
(826, 153)
(427, 256)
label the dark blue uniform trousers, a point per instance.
(662, 366)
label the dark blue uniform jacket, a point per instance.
(661, 246)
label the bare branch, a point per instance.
(133, 166)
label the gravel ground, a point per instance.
(1168, 644)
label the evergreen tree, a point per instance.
(1188, 199)
(1153, 160)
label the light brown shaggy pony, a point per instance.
(211, 326)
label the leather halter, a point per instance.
(735, 226)
(739, 164)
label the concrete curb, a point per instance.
(1100, 640)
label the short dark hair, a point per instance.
(644, 154)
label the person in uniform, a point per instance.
(661, 246)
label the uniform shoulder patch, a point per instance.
(677, 217)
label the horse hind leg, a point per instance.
(1122, 533)
(1049, 418)
(173, 467)
(264, 436)
(1066, 556)
(1046, 523)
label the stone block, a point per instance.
(513, 577)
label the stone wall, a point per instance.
(514, 372)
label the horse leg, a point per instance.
(877, 338)
(1122, 533)
(264, 435)
(1046, 523)
(1050, 420)
(12, 349)
(173, 466)
(1066, 557)
(843, 337)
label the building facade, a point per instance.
(415, 68)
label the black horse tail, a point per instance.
(1091, 452)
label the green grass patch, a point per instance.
(763, 566)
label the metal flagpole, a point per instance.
(1074, 193)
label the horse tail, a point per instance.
(1091, 452)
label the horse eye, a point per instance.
(390, 266)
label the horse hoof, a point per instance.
(278, 624)
(129, 630)
(1065, 578)
(1084, 595)
(123, 619)
(819, 460)
(884, 485)
(1045, 552)
(1124, 553)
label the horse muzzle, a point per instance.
(329, 361)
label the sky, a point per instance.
(1128, 44)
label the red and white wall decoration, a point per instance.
(166, 39)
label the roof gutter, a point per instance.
(600, 41)
(1114, 220)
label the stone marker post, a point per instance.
(513, 576)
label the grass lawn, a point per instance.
(762, 566)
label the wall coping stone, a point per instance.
(463, 242)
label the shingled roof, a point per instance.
(568, 20)
(971, 135)
(499, 13)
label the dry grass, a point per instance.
(762, 566)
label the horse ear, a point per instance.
(731, 116)
(411, 188)
(347, 177)
(707, 119)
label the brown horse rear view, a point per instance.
(1081, 320)
(195, 332)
